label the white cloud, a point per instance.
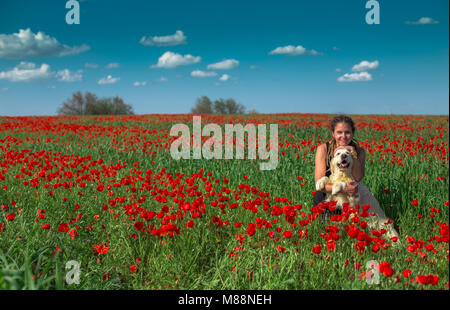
(355, 77)
(172, 60)
(163, 79)
(366, 66)
(171, 40)
(224, 77)
(423, 21)
(67, 76)
(253, 67)
(140, 83)
(108, 80)
(27, 72)
(227, 64)
(202, 74)
(113, 65)
(335, 48)
(26, 44)
(293, 51)
(92, 66)
(4, 89)
(338, 70)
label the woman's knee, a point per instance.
(319, 197)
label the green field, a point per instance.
(106, 193)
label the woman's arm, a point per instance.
(321, 166)
(358, 169)
(320, 163)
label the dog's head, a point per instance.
(342, 160)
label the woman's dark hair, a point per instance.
(342, 118)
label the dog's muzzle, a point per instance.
(344, 162)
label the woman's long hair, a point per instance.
(336, 120)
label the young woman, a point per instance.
(342, 129)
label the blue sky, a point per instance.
(272, 56)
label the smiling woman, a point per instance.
(342, 129)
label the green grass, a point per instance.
(199, 257)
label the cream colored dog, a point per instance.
(341, 167)
(341, 173)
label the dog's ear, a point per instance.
(332, 165)
(351, 160)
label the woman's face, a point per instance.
(343, 134)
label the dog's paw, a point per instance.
(320, 184)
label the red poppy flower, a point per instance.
(376, 247)
(133, 268)
(287, 234)
(317, 249)
(138, 225)
(251, 229)
(386, 269)
(331, 246)
(280, 249)
(73, 234)
(415, 203)
(427, 279)
(10, 217)
(101, 249)
(63, 227)
(189, 224)
(406, 273)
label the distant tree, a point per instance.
(91, 105)
(229, 106)
(233, 107)
(111, 106)
(74, 106)
(252, 111)
(203, 106)
(91, 101)
(220, 107)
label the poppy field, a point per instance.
(104, 192)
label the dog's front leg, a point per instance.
(320, 184)
(337, 187)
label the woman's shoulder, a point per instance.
(360, 151)
(322, 147)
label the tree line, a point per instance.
(204, 105)
(90, 104)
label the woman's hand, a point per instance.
(351, 189)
